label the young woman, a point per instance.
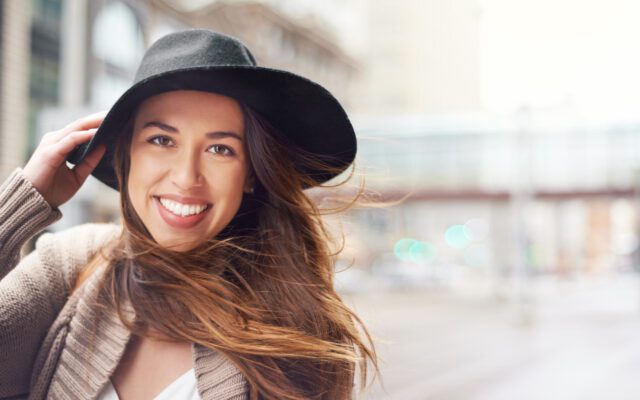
(218, 284)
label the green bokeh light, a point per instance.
(408, 249)
(457, 236)
(401, 248)
(422, 252)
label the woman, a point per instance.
(218, 284)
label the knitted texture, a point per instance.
(47, 343)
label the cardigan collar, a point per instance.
(93, 358)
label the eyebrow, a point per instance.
(210, 135)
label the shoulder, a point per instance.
(70, 249)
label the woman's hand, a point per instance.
(47, 169)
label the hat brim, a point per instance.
(304, 111)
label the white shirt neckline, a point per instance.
(183, 387)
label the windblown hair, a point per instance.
(261, 292)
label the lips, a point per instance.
(177, 221)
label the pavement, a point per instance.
(552, 338)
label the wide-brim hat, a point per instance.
(306, 113)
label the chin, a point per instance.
(183, 242)
(177, 246)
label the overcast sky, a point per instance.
(583, 54)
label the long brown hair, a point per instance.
(261, 292)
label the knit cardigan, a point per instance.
(45, 331)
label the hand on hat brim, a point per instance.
(90, 162)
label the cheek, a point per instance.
(227, 184)
(141, 175)
(144, 164)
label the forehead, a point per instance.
(193, 107)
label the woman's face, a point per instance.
(189, 166)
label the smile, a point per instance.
(182, 210)
(180, 215)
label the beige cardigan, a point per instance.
(44, 332)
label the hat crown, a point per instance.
(192, 48)
(306, 114)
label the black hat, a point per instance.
(200, 59)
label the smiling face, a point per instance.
(189, 166)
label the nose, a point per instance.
(185, 173)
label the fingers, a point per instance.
(84, 169)
(46, 167)
(90, 121)
(58, 151)
(87, 122)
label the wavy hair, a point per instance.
(261, 292)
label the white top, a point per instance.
(183, 388)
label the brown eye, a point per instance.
(222, 149)
(153, 139)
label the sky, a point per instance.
(561, 54)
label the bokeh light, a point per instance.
(401, 248)
(422, 252)
(409, 249)
(457, 236)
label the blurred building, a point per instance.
(14, 83)
(488, 197)
(422, 57)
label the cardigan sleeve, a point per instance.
(35, 288)
(30, 294)
(23, 213)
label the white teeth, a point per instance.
(181, 209)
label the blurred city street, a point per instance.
(501, 267)
(576, 339)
